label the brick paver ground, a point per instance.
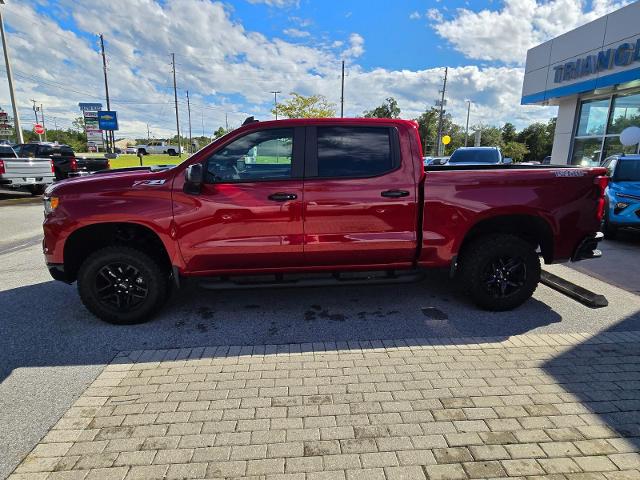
(533, 406)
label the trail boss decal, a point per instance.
(149, 183)
(569, 173)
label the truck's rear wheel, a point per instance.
(500, 272)
(122, 285)
(172, 152)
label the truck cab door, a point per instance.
(360, 197)
(248, 214)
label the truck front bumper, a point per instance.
(588, 248)
(56, 270)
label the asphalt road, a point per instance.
(51, 349)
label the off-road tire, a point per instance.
(155, 278)
(37, 190)
(476, 270)
(172, 152)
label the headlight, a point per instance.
(50, 204)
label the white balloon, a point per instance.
(630, 136)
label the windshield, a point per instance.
(475, 156)
(7, 151)
(628, 171)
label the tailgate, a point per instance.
(27, 167)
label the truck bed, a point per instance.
(23, 172)
(559, 200)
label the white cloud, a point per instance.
(356, 46)
(296, 33)
(225, 67)
(434, 14)
(507, 34)
(415, 16)
(276, 3)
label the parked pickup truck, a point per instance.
(314, 201)
(65, 162)
(157, 146)
(26, 174)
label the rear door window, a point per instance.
(353, 152)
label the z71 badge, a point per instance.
(569, 173)
(149, 183)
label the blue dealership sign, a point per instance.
(107, 120)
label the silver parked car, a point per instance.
(27, 174)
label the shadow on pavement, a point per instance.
(46, 325)
(603, 377)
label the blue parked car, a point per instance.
(623, 194)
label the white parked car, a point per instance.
(158, 146)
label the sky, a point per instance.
(231, 54)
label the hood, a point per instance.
(631, 188)
(118, 179)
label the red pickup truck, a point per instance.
(314, 201)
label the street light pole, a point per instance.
(466, 133)
(189, 115)
(35, 113)
(342, 93)
(275, 101)
(16, 117)
(43, 127)
(440, 121)
(175, 97)
(106, 89)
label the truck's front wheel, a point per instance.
(122, 285)
(500, 272)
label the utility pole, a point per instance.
(342, 93)
(16, 117)
(148, 136)
(189, 115)
(275, 101)
(175, 97)
(106, 90)
(202, 119)
(466, 132)
(226, 121)
(55, 127)
(35, 113)
(442, 102)
(42, 115)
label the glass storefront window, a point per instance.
(625, 113)
(612, 146)
(593, 117)
(586, 151)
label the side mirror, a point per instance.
(194, 178)
(507, 160)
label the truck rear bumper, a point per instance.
(588, 248)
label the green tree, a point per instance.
(220, 132)
(490, 136)
(389, 109)
(538, 137)
(508, 133)
(428, 129)
(515, 150)
(299, 106)
(78, 124)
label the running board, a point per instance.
(310, 279)
(571, 290)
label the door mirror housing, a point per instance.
(507, 160)
(194, 178)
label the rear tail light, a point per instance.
(53, 168)
(74, 164)
(2, 170)
(601, 185)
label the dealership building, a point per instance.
(592, 74)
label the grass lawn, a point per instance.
(133, 161)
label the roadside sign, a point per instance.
(107, 120)
(38, 129)
(446, 140)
